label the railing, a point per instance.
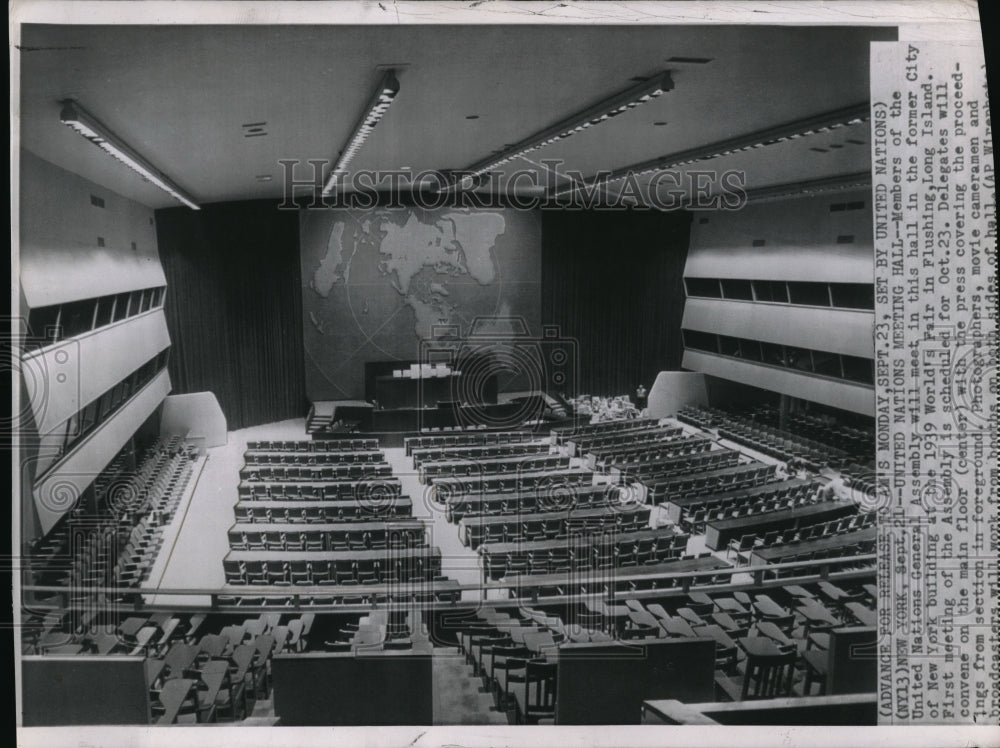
(131, 598)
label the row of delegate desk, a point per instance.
(582, 497)
(467, 439)
(474, 530)
(313, 458)
(647, 450)
(430, 472)
(287, 512)
(314, 445)
(479, 452)
(276, 567)
(723, 479)
(700, 459)
(326, 536)
(625, 579)
(578, 552)
(718, 533)
(678, 508)
(446, 488)
(597, 449)
(777, 554)
(331, 472)
(319, 491)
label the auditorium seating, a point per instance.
(565, 433)
(745, 475)
(466, 439)
(311, 458)
(373, 491)
(484, 451)
(588, 551)
(698, 460)
(543, 499)
(314, 445)
(632, 439)
(444, 488)
(116, 540)
(314, 473)
(293, 512)
(646, 450)
(476, 530)
(517, 465)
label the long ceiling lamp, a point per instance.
(379, 103)
(592, 116)
(88, 126)
(801, 128)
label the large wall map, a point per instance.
(376, 282)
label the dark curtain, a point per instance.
(614, 281)
(234, 307)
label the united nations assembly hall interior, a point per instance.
(406, 375)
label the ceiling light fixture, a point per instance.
(840, 182)
(590, 117)
(377, 106)
(76, 117)
(820, 123)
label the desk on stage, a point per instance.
(394, 393)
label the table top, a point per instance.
(403, 523)
(500, 519)
(759, 646)
(173, 694)
(776, 553)
(768, 608)
(864, 614)
(709, 563)
(783, 515)
(280, 556)
(527, 546)
(130, 626)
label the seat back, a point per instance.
(540, 689)
(768, 677)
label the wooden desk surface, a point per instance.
(709, 563)
(775, 553)
(280, 556)
(719, 532)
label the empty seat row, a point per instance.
(329, 538)
(565, 433)
(725, 479)
(364, 471)
(507, 529)
(467, 438)
(321, 511)
(626, 549)
(684, 464)
(516, 465)
(313, 445)
(414, 566)
(312, 458)
(646, 451)
(373, 492)
(531, 501)
(447, 487)
(481, 452)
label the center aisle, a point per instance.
(458, 562)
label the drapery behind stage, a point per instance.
(613, 280)
(233, 307)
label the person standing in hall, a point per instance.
(640, 397)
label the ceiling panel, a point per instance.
(180, 95)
